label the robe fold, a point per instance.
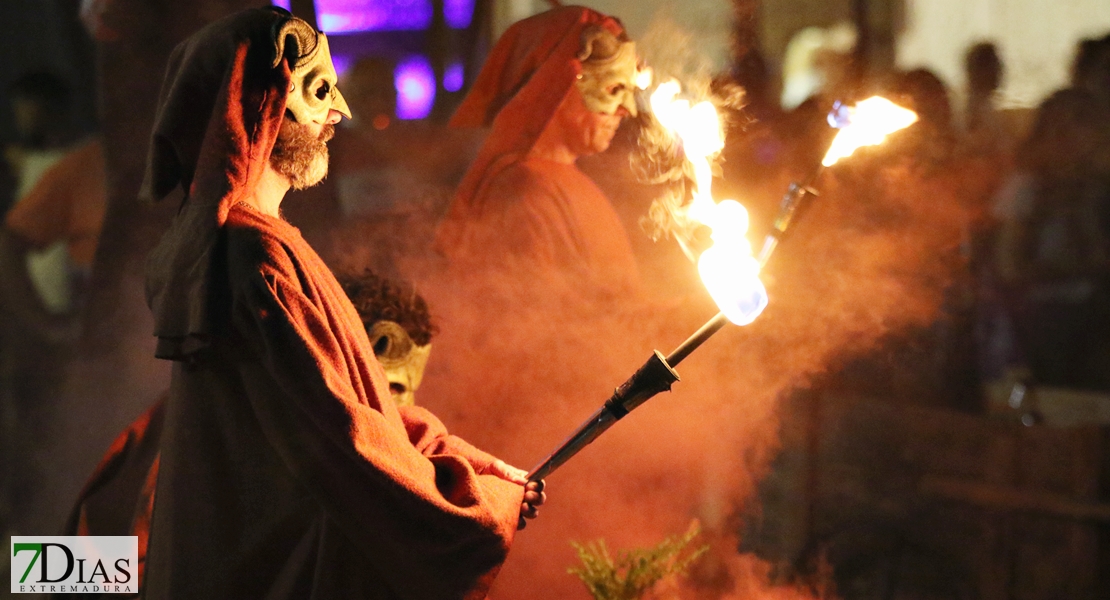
(119, 496)
(286, 471)
(541, 217)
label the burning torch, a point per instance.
(728, 269)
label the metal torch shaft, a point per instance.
(704, 333)
(587, 432)
(797, 199)
(653, 377)
(658, 372)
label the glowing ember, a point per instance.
(865, 124)
(727, 268)
(644, 76)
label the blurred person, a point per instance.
(987, 130)
(964, 182)
(1091, 68)
(40, 106)
(1091, 73)
(65, 208)
(753, 75)
(1052, 244)
(989, 133)
(373, 94)
(285, 468)
(118, 497)
(932, 139)
(400, 328)
(37, 320)
(984, 77)
(555, 88)
(985, 151)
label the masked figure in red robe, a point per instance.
(119, 496)
(555, 88)
(286, 470)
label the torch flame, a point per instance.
(727, 268)
(866, 124)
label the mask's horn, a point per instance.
(598, 43)
(297, 39)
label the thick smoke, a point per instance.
(521, 361)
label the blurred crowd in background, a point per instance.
(1028, 300)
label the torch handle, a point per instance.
(587, 432)
(653, 377)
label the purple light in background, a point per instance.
(458, 13)
(349, 16)
(342, 63)
(282, 3)
(453, 77)
(416, 87)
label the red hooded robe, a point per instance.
(523, 214)
(286, 471)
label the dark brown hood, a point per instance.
(220, 110)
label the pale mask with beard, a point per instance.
(301, 154)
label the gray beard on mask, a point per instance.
(300, 155)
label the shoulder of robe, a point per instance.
(254, 252)
(522, 181)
